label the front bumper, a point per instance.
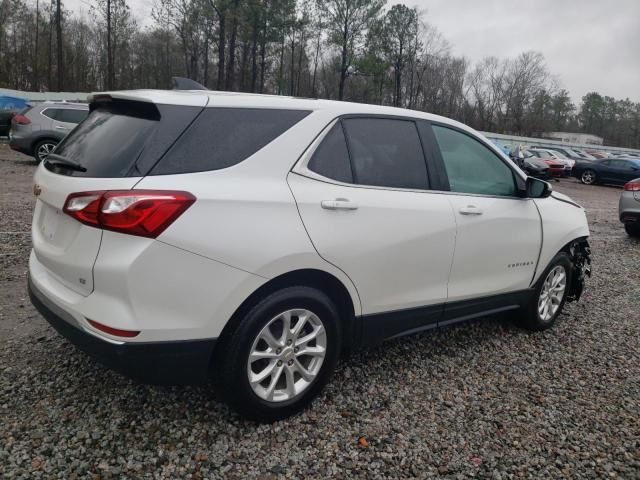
(160, 363)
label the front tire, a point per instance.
(550, 294)
(281, 354)
(589, 177)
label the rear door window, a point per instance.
(386, 153)
(223, 137)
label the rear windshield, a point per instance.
(222, 137)
(109, 140)
(118, 137)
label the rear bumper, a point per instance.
(19, 144)
(629, 207)
(630, 217)
(163, 363)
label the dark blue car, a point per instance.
(612, 171)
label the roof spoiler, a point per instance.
(180, 83)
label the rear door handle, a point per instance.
(339, 204)
(60, 127)
(470, 210)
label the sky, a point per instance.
(589, 45)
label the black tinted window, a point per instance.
(53, 113)
(331, 158)
(386, 153)
(471, 166)
(222, 137)
(108, 143)
(72, 115)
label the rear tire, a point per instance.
(550, 294)
(589, 177)
(268, 373)
(633, 229)
(43, 148)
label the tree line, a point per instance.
(355, 50)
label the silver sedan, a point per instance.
(629, 207)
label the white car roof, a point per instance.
(210, 98)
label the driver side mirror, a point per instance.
(536, 188)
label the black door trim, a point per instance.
(378, 327)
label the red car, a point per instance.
(555, 169)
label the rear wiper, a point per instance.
(55, 159)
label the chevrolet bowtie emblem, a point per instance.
(37, 189)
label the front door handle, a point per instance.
(339, 204)
(470, 210)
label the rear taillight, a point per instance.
(145, 213)
(632, 186)
(21, 120)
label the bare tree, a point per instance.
(347, 22)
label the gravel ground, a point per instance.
(484, 399)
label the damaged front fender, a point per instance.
(580, 253)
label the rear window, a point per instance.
(110, 140)
(222, 137)
(123, 138)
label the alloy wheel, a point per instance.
(552, 293)
(44, 150)
(588, 177)
(287, 355)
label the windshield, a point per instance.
(559, 154)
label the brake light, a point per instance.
(145, 213)
(21, 120)
(633, 186)
(113, 331)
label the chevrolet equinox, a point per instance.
(250, 240)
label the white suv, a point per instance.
(185, 236)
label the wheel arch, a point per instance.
(579, 253)
(41, 138)
(34, 143)
(309, 277)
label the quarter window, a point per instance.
(53, 113)
(386, 153)
(471, 166)
(331, 158)
(222, 137)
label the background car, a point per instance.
(555, 155)
(597, 154)
(556, 167)
(9, 106)
(612, 171)
(36, 130)
(629, 207)
(535, 167)
(506, 150)
(568, 152)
